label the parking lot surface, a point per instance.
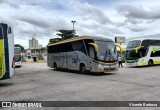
(37, 82)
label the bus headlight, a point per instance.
(100, 66)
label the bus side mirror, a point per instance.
(121, 49)
(137, 48)
(95, 46)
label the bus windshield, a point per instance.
(134, 44)
(107, 51)
(131, 54)
(17, 50)
(17, 58)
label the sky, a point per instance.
(109, 18)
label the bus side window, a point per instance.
(67, 47)
(9, 30)
(158, 43)
(49, 49)
(155, 54)
(147, 43)
(1, 33)
(143, 52)
(78, 46)
(92, 52)
(87, 44)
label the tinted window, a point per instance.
(155, 54)
(1, 33)
(9, 30)
(17, 50)
(147, 43)
(134, 44)
(143, 52)
(17, 58)
(71, 46)
(5, 27)
(78, 46)
(66, 47)
(131, 54)
(87, 44)
(92, 52)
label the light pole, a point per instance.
(73, 24)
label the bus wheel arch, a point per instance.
(82, 68)
(55, 66)
(150, 62)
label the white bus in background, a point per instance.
(18, 56)
(86, 53)
(6, 51)
(143, 52)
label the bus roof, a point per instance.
(141, 39)
(82, 38)
(149, 37)
(16, 47)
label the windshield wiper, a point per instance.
(105, 55)
(110, 55)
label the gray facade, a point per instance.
(33, 44)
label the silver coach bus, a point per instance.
(85, 53)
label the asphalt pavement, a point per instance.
(37, 82)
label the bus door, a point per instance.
(1, 52)
(91, 54)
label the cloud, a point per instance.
(134, 21)
(41, 27)
(34, 21)
(138, 12)
(98, 29)
(89, 11)
(107, 18)
(10, 3)
(136, 28)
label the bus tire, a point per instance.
(55, 66)
(82, 68)
(150, 63)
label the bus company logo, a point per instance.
(155, 49)
(75, 58)
(6, 104)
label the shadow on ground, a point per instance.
(6, 84)
(141, 66)
(87, 73)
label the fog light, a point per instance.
(100, 66)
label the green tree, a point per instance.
(54, 40)
(19, 45)
(64, 34)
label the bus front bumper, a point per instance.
(132, 64)
(107, 68)
(18, 64)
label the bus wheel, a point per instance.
(82, 69)
(55, 67)
(150, 63)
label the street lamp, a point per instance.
(73, 24)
